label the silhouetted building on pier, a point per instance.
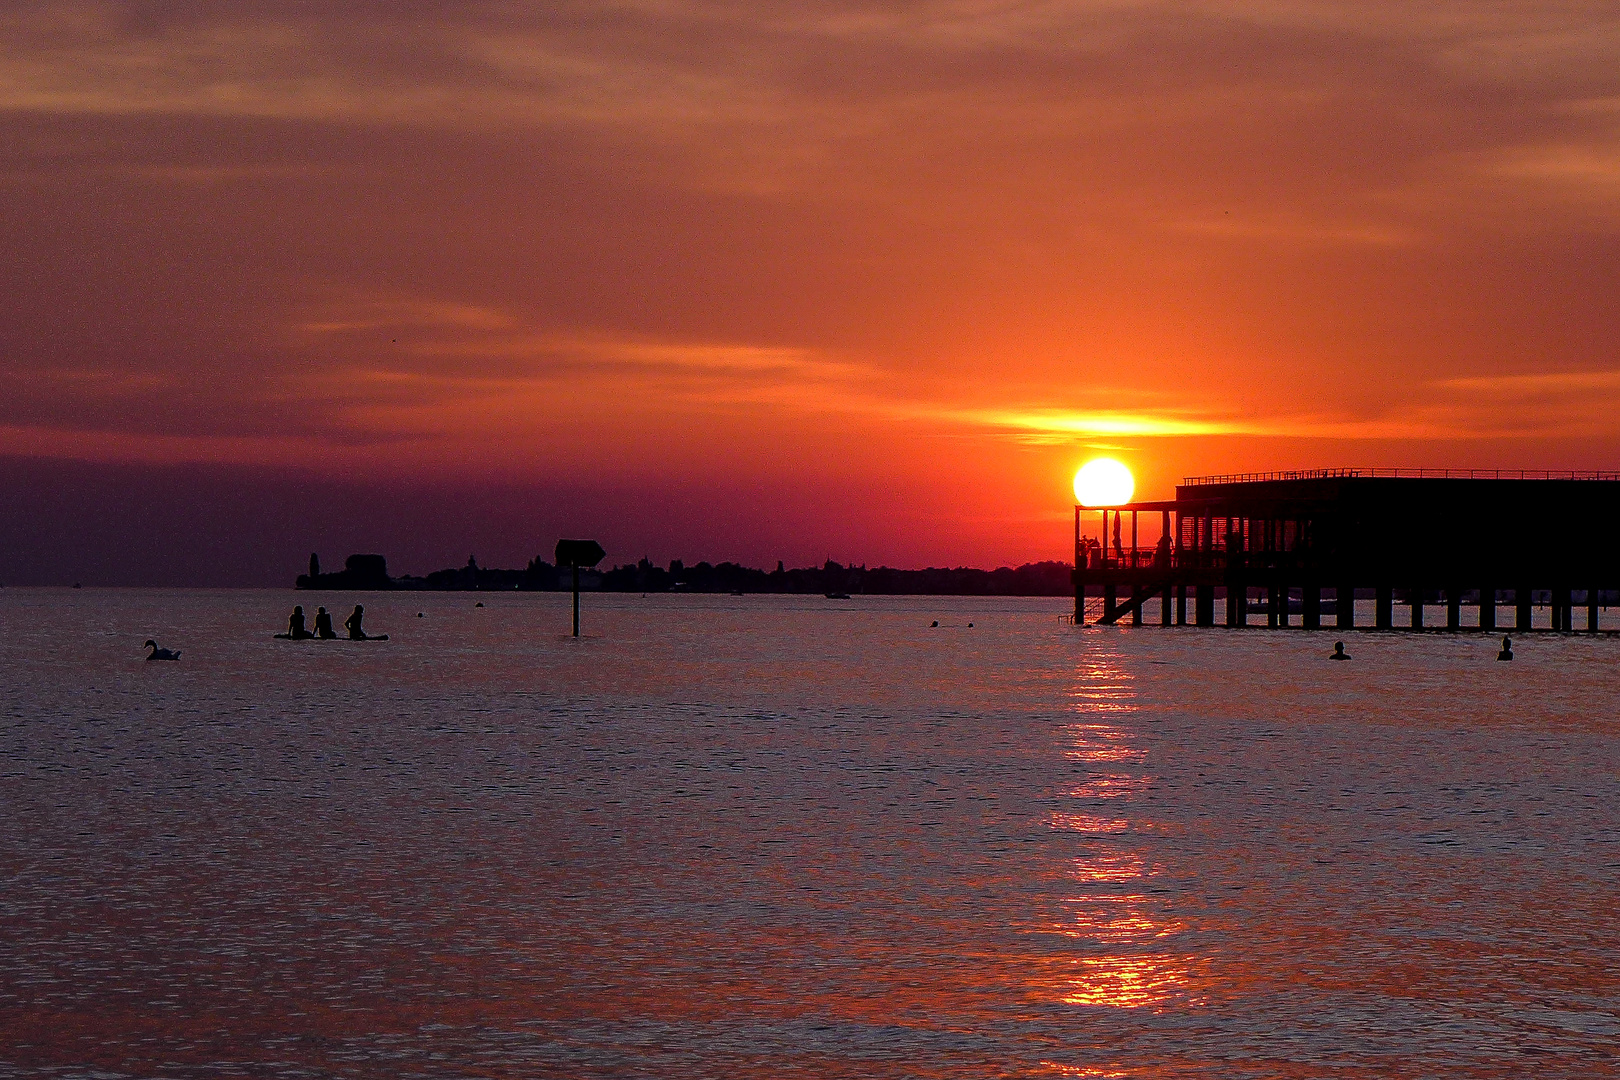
(1307, 542)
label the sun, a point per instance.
(1103, 482)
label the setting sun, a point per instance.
(1103, 482)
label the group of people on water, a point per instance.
(354, 624)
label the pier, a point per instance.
(1297, 548)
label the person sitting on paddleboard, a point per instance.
(295, 625)
(356, 631)
(323, 625)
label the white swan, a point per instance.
(161, 654)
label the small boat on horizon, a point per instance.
(838, 596)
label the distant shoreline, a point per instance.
(368, 573)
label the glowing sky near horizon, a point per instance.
(887, 272)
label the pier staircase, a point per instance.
(1132, 605)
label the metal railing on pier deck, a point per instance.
(1440, 474)
(1129, 558)
(1145, 558)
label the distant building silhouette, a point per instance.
(359, 572)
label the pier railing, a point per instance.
(1444, 474)
(1132, 558)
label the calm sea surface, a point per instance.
(777, 838)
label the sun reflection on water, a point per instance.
(1128, 982)
(1118, 932)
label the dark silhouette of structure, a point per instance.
(314, 565)
(575, 554)
(1457, 537)
(359, 572)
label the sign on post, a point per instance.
(578, 553)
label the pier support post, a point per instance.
(1204, 604)
(1138, 597)
(1487, 607)
(1414, 599)
(1237, 602)
(1181, 604)
(1563, 609)
(1345, 602)
(1237, 583)
(1521, 604)
(1165, 612)
(1276, 599)
(1311, 606)
(1110, 603)
(1454, 606)
(1384, 607)
(1079, 578)
(1591, 610)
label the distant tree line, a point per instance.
(1031, 579)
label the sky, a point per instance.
(772, 280)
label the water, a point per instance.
(779, 837)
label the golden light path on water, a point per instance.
(1109, 912)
